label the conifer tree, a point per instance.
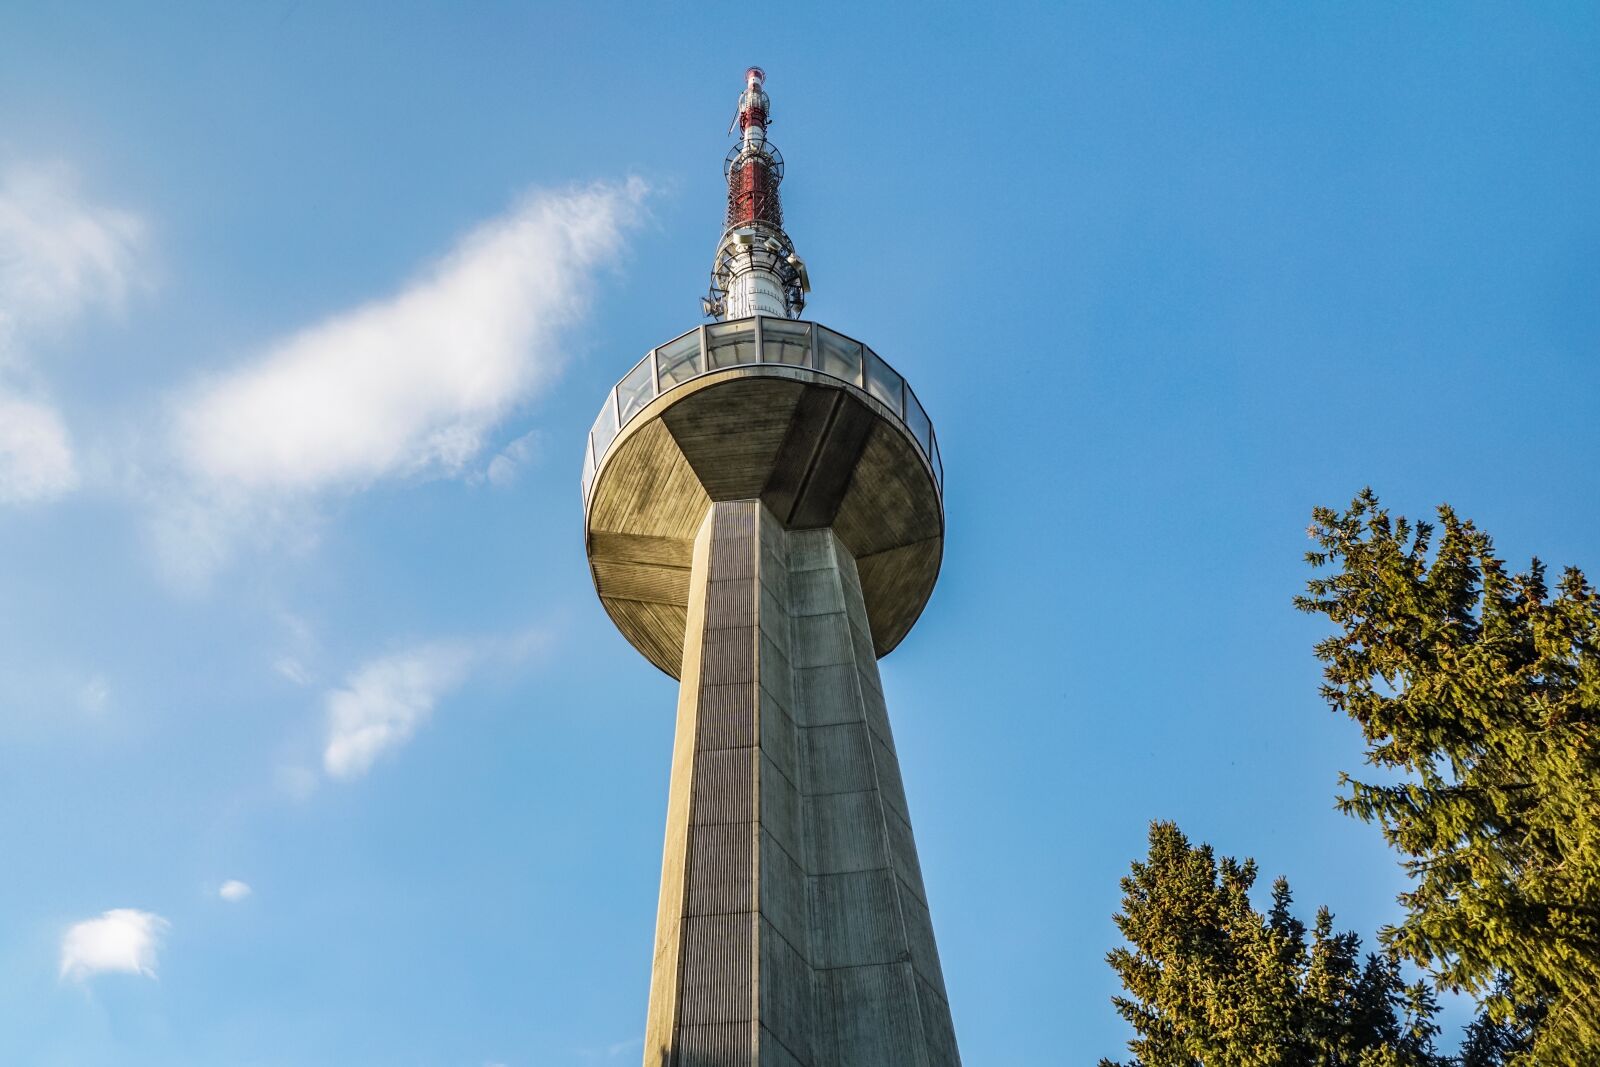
(1212, 981)
(1491, 1042)
(1478, 693)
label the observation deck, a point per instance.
(812, 423)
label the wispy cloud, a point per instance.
(36, 459)
(61, 256)
(507, 465)
(385, 701)
(122, 939)
(234, 890)
(291, 668)
(413, 382)
(95, 695)
(382, 704)
(295, 658)
(407, 385)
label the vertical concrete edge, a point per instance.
(666, 978)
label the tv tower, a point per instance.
(764, 519)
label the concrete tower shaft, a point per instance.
(764, 519)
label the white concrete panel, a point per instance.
(876, 1018)
(856, 920)
(846, 832)
(822, 640)
(839, 758)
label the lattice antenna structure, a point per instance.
(756, 270)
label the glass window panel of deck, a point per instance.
(636, 390)
(838, 356)
(786, 341)
(729, 344)
(884, 383)
(588, 470)
(605, 428)
(917, 420)
(679, 360)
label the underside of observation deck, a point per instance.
(814, 452)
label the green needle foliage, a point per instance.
(1478, 693)
(1212, 982)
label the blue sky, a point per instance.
(304, 311)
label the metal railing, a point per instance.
(756, 341)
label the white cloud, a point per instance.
(60, 257)
(195, 530)
(404, 386)
(59, 254)
(95, 695)
(234, 891)
(507, 465)
(291, 668)
(36, 461)
(382, 704)
(122, 939)
(412, 383)
(300, 638)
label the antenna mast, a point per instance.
(756, 271)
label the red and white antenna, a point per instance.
(756, 271)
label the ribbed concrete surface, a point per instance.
(793, 928)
